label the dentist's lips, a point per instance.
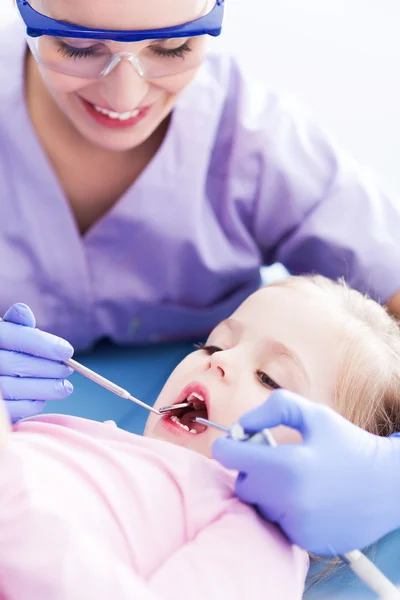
(107, 121)
(181, 420)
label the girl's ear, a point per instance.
(4, 426)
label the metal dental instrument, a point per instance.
(237, 432)
(211, 424)
(166, 409)
(107, 384)
(359, 563)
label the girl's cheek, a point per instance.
(247, 399)
(285, 435)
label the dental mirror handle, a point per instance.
(107, 384)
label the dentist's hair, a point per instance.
(368, 387)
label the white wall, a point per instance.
(341, 57)
(5, 10)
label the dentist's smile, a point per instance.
(113, 119)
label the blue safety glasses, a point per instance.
(38, 25)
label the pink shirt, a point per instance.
(90, 511)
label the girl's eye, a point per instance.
(172, 52)
(267, 381)
(263, 377)
(209, 349)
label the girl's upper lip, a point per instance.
(198, 388)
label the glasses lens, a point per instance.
(77, 57)
(91, 59)
(172, 56)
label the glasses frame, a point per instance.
(38, 25)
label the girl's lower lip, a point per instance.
(113, 123)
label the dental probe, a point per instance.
(107, 384)
(357, 561)
(237, 433)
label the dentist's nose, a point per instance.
(123, 88)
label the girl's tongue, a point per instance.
(187, 418)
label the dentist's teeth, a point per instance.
(114, 115)
(193, 431)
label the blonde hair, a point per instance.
(368, 387)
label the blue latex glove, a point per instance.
(336, 491)
(30, 371)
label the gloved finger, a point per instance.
(25, 365)
(245, 487)
(20, 314)
(34, 342)
(4, 426)
(281, 408)
(22, 409)
(17, 388)
(258, 458)
(240, 456)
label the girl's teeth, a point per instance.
(196, 395)
(175, 419)
(114, 115)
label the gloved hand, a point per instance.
(4, 427)
(336, 491)
(30, 371)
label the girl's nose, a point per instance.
(223, 365)
(123, 88)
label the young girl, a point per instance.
(314, 337)
(87, 510)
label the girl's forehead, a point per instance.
(124, 14)
(296, 305)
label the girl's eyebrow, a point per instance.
(232, 324)
(280, 349)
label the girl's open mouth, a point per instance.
(184, 417)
